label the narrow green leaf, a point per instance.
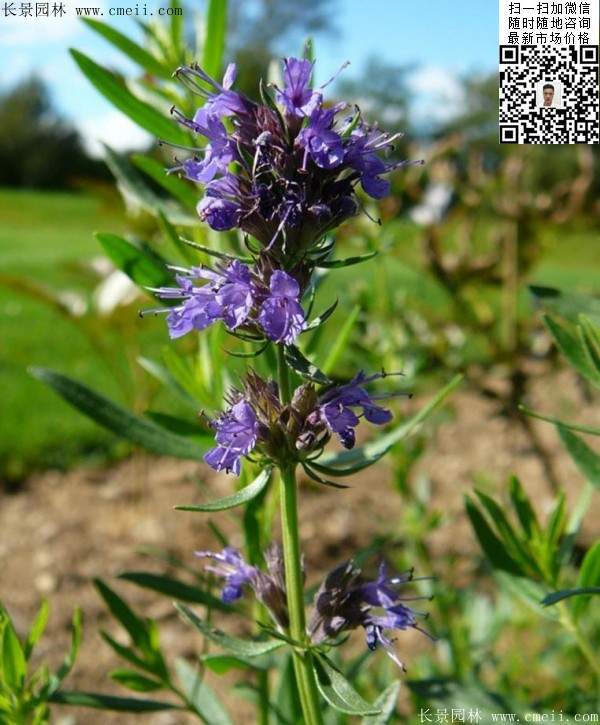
(511, 541)
(348, 262)
(115, 91)
(136, 191)
(572, 347)
(135, 627)
(118, 419)
(238, 647)
(587, 460)
(220, 664)
(14, 665)
(372, 451)
(338, 692)
(182, 190)
(202, 698)
(129, 655)
(109, 702)
(303, 366)
(493, 548)
(214, 39)
(76, 636)
(386, 702)
(132, 680)
(523, 508)
(571, 426)
(566, 304)
(320, 319)
(242, 496)
(37, 628)
(341, 340)
(131, 49)
(589, 576)
(566, 593)
(144, 267)
(174, 588)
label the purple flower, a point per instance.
(268, 587)
(361, 155)
(220, 208)
(320, 141)
(297, 97)
(237, 434)
(220, 100)
(233, 569)
(336, 406)
(346, 601)
(218, 153)
(235, 296)
(281, 316)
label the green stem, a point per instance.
(303, 668)
(305, 676)
(584, 647)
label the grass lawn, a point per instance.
(42, 237)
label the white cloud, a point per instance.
(22, 31)
(112, 128)
(439, 95)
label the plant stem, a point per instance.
(305, 677)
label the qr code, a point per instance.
(549, 94)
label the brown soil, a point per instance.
(62, 530)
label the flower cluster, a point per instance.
(240, 296)
(256, 419)
(269, 588)
(346, 600)
(286, 173)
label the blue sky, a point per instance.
(442, 39)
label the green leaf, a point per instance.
(14, 664)
(526, 590)
(587, 460)
(341, 340)
(120, 610)
(298, 362)
(242, 496)
(109, 702)
(174, 588)
(136, 191)
(129, 655)
(200, 695)
(589, 576)
(220, 664)
(573, 348)
(348, 262)
(179, 426)
(493, 548)
(131, 49)
(571, 426)
(512, 543)
(322, 318)
(566, 304)
(69, 661)
(338, 692)
(468, 695)
(374, 450)
(144, 267)
(37, 628)
(386, 702)
(182, 190)
(214, 38)
(132, 680)
(566, 593)
(115, 91)
(119, 420)
(523, 508)
(238, 647)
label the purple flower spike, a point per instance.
(281, 316)
(297, 97)
(237, 434)
(233, 569)
(336, 409)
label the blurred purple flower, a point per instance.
(233, 569)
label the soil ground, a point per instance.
(61, 530)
